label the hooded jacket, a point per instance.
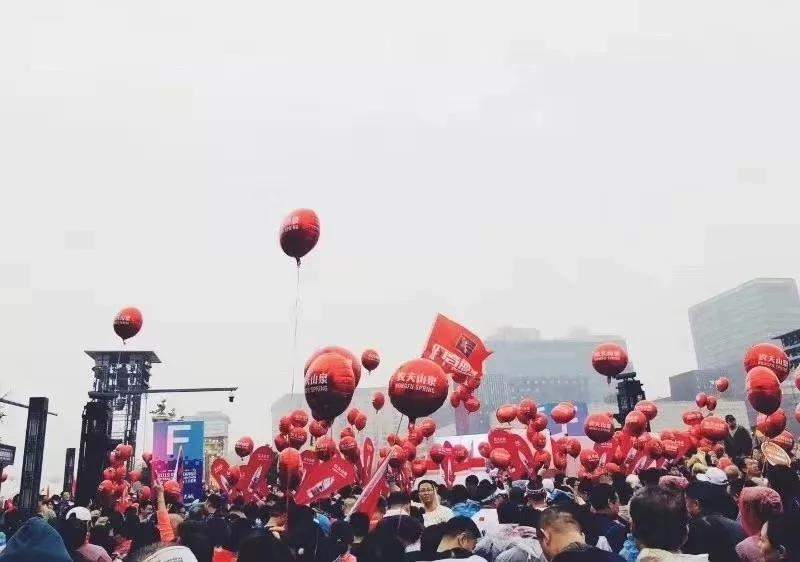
(35, 541)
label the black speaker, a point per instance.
(32, 459)
(94, 448)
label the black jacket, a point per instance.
(715, 535)
(586, 553)
(740, 444)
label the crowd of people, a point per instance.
(692, 510)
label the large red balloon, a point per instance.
(460, 453)
(763, 390)
(484, 449)
(330, 384)
(472, 404)
(590, 459)
(281, 442)
(773, 424)
(692, 417)
(500, 458)
(418, 388)
(722, 384)
(289, 463)
(378, 400)
(648, 409)
(317, 428)
(370, 360)
(539, 423)
(506, 414)
(635, 423)
(298, 437)
(711, 403)
(419, 468)
(299, 418)
(354, 363)
(128, 322)
(563, 413)
(427, 427)
(436, 453)
(784, 440)
(714, 428)
(701, 399)
(526, 411)
(324, 448)
(770, 356)
(599, 428)
(244, 446)
(361, 421)
(285, 425)
(609, 359)
(299, 233)
(348, 447)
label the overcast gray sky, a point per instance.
(548, 165)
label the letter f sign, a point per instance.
(173, 440)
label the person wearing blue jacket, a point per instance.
(35, 541)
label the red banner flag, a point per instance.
(219, 468)
(253, 479)
(448, 465)
(367, 502)
(324, 480)
(522, 461)
(455, 348)
(368, 453)
(309, 459)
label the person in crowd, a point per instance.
(218, 527)
(459, 539)
(738, 442)
(562, 539)
(472, 483)
(752, 472)
(659, 522)
(780, 539)
(37, 541)
(757, 504)
(398, 503)
(604, 521)
(74, 531)
(359, 523)
(342, 538)
(723, 503)
(460, 502)
(435, 512)
(162, 552)
(261, 547)
(784, 480)
(710, 531)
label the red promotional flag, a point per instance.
(253, 477)
(219, 468)
(447, 464)
(521, 456)
(455, 348)
(367, 502)
(309, 459)
(324, 480)
(368, 452)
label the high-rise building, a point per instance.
(726, 325)
(685, 386)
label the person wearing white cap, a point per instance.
(162, 552)
(714, 476)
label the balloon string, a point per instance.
(296, 316)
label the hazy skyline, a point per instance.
(592, 164)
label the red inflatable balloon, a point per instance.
(649, 409)
(460, 453)
(589, 459)
(109, 474)
(128, 322)
(472, 404)
(125, 452)
(317, 428)
(361, 421)
(415, 437)
(329, 387)
(145, 493)
(541, 459)
(770, 356)
(298, 437)
(289, 463)
(539, 423)
(370, 360)
(711, 403)
(773, 424)
(692, 417)
(349, 448)
(427, 428)
(713, 428)
(436, 453)
(484, 449)
(635, 423)
(134, 475)
(410, 450)
(355, 364)
(785, 441)
(106, 487)
(609, 359)
(572, 447)
(299, 233)
(563, 413)
(526, 411)
(285, 425)
(654, 448)
(397, 456)
(419, 468)
(418, 388)
(378, 400)
(352, 415)
(506, 414)
(538, 440)
(347, 432)
(722, 384)
(324, 448)
(299, 418)
(671, 448)
(383, 452)
(120, 473)
(599, 428)
(701, 399)
(281, 442)
(763, 390)
(500, 458)
(172, 488)
(244, 447)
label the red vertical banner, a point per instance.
(367, 502)
(219, 468)
(368, 452)
(522, 461)
(253, 479)
(448, 467)
(325, 479)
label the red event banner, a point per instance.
(522, 461)
(367, 502)
(324, 480)
(455, 348)
(219, 468)
(253, 479)
(368, 452)
(447, 465)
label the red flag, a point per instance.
(447, 465)
(309, 459)
(455, 348)
(368, 452)
(522, 461)
(253, 479)
(324, 480)
(367, 502)
(219, 468)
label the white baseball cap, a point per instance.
(714, 476)
(80, 513)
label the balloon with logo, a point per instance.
(281, 442)
(713, 428)
(324, 448)
(649, 409)
(370, 360)
(347, 432)
(460, 453)
(419, 468)
(784, 440)
(289, 467)
(427, 428)
(635, 423)
(361, 421)
(763, 390)
(317, 428)
(539, 423)
(355, 364)
(352, 415)
(299, 418)
(484, 449)
(418, 388)
(526, 411)
(378, 400)
(299, 233)
(563, 413)
(349, 448)
(589, 459)
(472, 404)
(692, 417)
(609, 359)
(506, 414)
(128, 322)
(329, 386)
(244, 447)
(773, 424)
(298, 437)
(436, 453)
(770, 356)
(500, 458)
(285, 425)
(599, 428)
